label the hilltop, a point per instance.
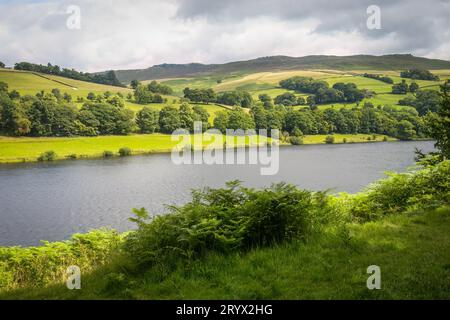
(280, 63)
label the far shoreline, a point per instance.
(30, 148)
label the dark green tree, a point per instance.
(147, 120)
(169, 120)
(439, 123)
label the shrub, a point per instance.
(296, 140)
(47, 156)
(124, 152)
(107, 154)
(39, 266)
(329, 139)
(344, 140)
(71, 156)
(225, 220)
(427, 188)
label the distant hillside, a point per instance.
(106, 77)
(386, 62)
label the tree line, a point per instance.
(53, 114)
(108, 77)
(404, 124)
(379, 77)
(320, 91)
(423, 101)
(404, 88)
(419, 74)
(230, 98)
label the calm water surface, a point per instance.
(51, 201)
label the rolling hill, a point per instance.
(27, 82)
(279, 63)
(30, 83)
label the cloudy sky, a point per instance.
(117, 34)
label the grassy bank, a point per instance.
(274, 243)
(29, 149)
(413, 252)
(26, 149)
(347, 138)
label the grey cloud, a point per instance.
(118, 34)
(417, 24)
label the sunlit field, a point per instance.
(268, 83)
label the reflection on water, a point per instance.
(54, 200)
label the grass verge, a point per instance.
(412, 250)
(28, 149)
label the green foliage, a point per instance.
(108, 154)
(14, 94)
(47, 156)
(405, 130)
(427, 101)
(240, 224)
(135, 83)
(105, 118)
(366, 120)
(156, 87)
(91, 96)
(235, 98)
(378, 77)
(39, 266)
(125, 152)
(222, 220)
(419, 74)
(400, 88)
(169, 119)
(147, 120)
(143, 95)
(200, 95)
(439, 123)
(108, 77)
(413, 87)
(296, 140)
(200, 114)
(72, 156)
(221, 121)
(286, 99)
(239, 119)
(322, 93)
(424, 189)
(186, 117)
(46, 115)
(424, 101)
(329, 139)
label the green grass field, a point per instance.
(27, 149)
(412, 251)
(32, 83)
(255, 83)
(267, 82)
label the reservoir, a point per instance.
(51, 201)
